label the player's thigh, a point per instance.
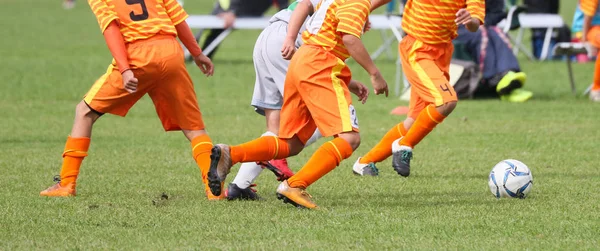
(416, 105)
(278, 66)
(108, 95)
(269, 83)
(428, 79)
(295, 118)
(328, 99)
(175, 99)
(593, 36)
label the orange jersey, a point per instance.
(432, 21)
(589, 7)
(139, 19)
(334, 18)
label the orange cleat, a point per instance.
(59, 191)
(295, 196)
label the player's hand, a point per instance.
(379, 84)
(367, 25)
(228, 18)
(288, 49)
(129, 81)
(462, 17)
(205, 64)
(360, 90)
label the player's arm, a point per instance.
(299, 15)
(352, 17)
(473, 16)
(359, 89)
(109, 25)
(178, 17)
(116, 46)
(589, 8)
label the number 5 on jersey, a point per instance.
(138, 17)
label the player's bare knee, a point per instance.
(191, 134)
(408, 122)
(295, 146)
(83, 111)
(353, 138)
(447, 108)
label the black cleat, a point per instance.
(236, 193)
(220, 165)
(401, 162)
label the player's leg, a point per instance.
(102, 98)
(269, 147)
(328, 100)
(365, 165)
(267, 100)
(594, 37)
(177, 107)
(427, 69)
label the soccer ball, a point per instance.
(510, 178)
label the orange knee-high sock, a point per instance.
(325, 159)
(596, 85)
(201, 147)
(427, 120)
(383, 149)
(75, 150)
(263, 148)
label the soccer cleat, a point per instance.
(211, 196)
(59, 191)
(510, 82)
(517, 96)
(401, 156)
(220, 165)
(298, 197)
(278, 167)
(595, 96)
(234, 192)
(365, 169)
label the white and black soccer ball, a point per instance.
(510, 178)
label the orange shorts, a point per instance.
(316, 95)
(158, 64)
(593, 36)
(427, 69)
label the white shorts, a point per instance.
(270, 68)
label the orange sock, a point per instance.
(201, 147)
(75, 150)
(596, 85)
(427, 120)
(383, 149)
(325, 159)
(261, 149)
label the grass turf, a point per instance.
(50, 57)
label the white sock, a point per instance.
(249, 171)
(317, 135)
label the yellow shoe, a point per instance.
(510, 82)
(295, 196)
(59, 191)
(211, 196)
(517, 96)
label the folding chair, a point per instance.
(512, 23)
(569, 50)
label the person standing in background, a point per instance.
(228, 10)
(591, 34)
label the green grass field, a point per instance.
(50, 57)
